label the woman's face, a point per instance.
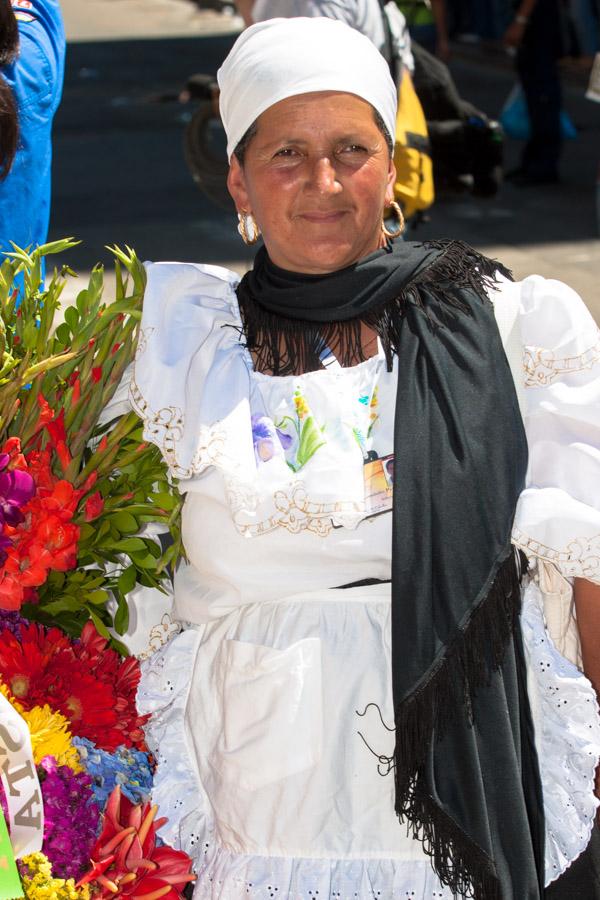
(316, 177)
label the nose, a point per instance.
(324, 176)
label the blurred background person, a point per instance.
(381, 22)
(9, 44)
(427, 24)
(31, 89)
(539, 33)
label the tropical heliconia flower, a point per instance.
(126, 861)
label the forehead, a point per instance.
(316, 111)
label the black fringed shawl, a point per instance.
(465, 768)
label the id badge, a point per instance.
(378, 477)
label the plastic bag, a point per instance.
(515, 118)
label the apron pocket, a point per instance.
(271, 711)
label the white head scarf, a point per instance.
(281, 58)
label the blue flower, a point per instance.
(129, 768)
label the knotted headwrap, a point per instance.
(465, 765)
(281, 58)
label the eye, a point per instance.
(354, 148)
(285, 153)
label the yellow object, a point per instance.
(50, 736)
(39, 884)
(413, 188)
(49, 732)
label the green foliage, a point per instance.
(66, 373)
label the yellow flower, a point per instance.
(50, 736)
(301, 405)
(38, 883)
(7, 693)
(375, 398)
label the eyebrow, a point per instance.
(350, 138)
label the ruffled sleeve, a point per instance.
(558, 515)
(189, 348)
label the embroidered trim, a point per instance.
(579, 559)
(165, 427)
(143, 338)
(296, 513)
(160, 635)
(543, 366)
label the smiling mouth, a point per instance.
(323, 217)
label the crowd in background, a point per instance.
(489, 19)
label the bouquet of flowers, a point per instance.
(75, 489)
(78, 489)
(77, 698)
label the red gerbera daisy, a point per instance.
(88, 683)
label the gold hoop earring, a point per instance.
(395, 207)
(248, 228)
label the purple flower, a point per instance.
(263, 437)
(286, 440)
(70, 818)
(268, 440)
(16, 489)
(12, 621)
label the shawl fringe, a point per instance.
(286, 346)
(477, 650)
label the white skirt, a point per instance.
(272, 727)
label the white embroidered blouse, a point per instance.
(278, 514)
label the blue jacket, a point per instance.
(36, 78)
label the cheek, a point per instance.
(272, 199)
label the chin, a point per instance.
(328, 258)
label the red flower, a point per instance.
(88, 683)
(76, 391)
(58, 438)
(96, 374)
(126, 861)
(12, 447)
(46, 413)
(12, 590)
(94, 506)
(90, 481)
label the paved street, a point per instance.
(120, 174)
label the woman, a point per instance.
(355, 654)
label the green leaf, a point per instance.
(122, 615)
(63, 333)
(125, 522)
(65, 604)
(310, 441)
(165, 500)
(72, 317)
(98, 598)
(129, 545)
(127, 580)
(119, 646)
(100, 626)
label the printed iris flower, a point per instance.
(268, 440)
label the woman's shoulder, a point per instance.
(194, 283)
(550, 314)
(186, 301)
